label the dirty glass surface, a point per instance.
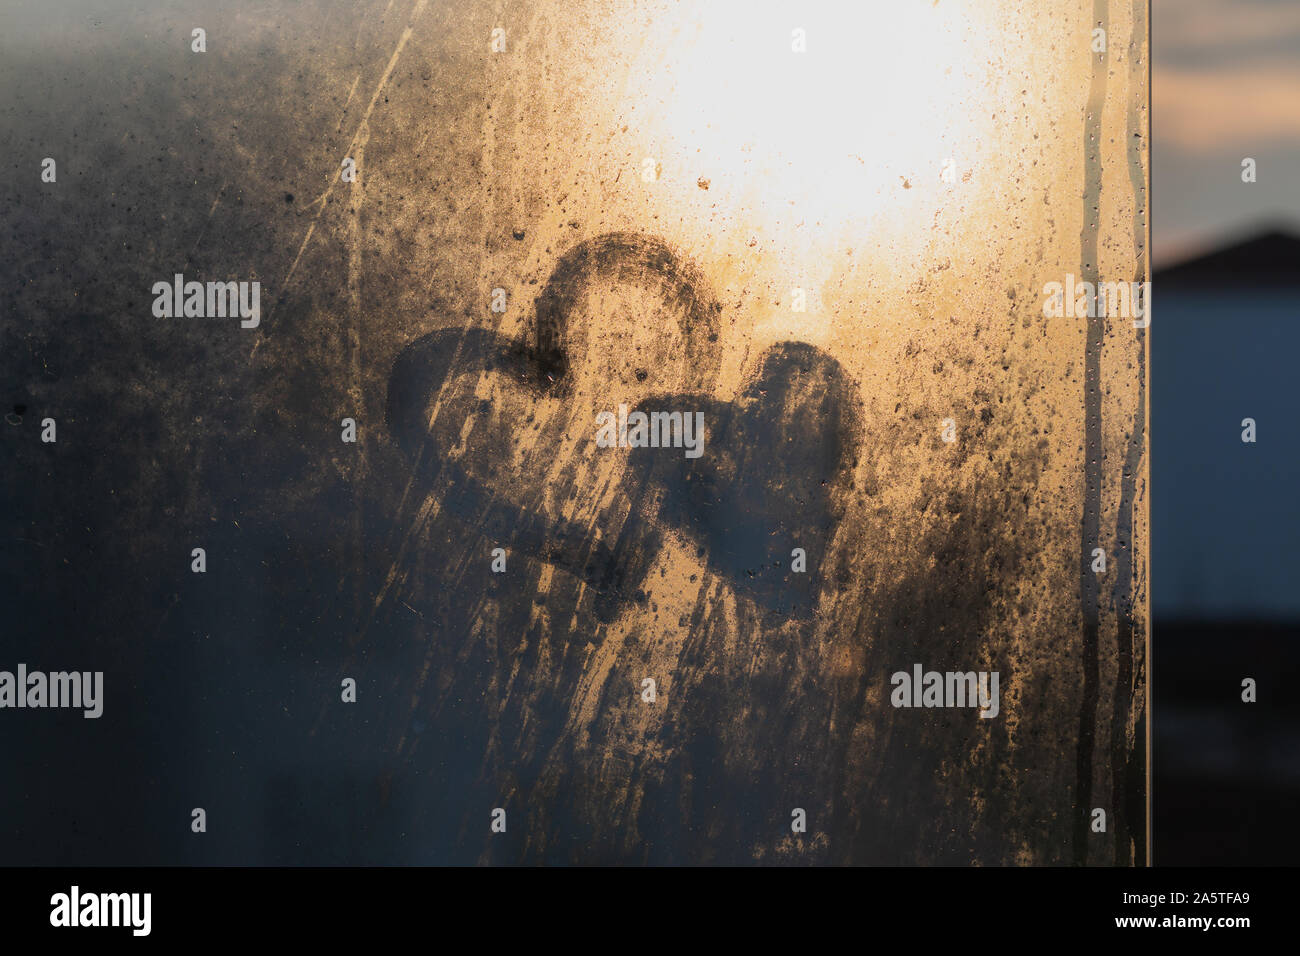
(889, 255)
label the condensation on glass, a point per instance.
(834, 229)
(873, 194)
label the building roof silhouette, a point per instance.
(1269, 259)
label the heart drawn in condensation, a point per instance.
(772, 476)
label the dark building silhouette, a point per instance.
(1225, 562)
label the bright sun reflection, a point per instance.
(857, 126)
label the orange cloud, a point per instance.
(1202, 111)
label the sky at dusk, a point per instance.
(1225, 86)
